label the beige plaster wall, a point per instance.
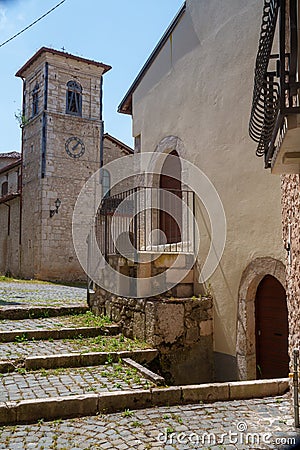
(204, 98)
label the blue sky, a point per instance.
(117, 32)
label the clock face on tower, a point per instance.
(74, 147)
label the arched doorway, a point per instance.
(271, 329)
(170, 180)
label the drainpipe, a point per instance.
(101, 162)
(296, 387)
(21, 182)
(8, 218)
(101, 130)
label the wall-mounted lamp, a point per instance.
(57, 205)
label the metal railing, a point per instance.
(266, 91)
(276, 89)
(146, 219)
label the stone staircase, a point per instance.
(58, 361)
(61, 361)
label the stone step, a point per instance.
(30, 385)
(68, 360)
(18, 351)
(61, 333)
(72, 321)
(99, 402)
(33, 312)
(88, 359)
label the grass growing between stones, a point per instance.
(113, 375)
(22, 347)
(124, 373)
(89, 320)
(111, 344)
(19, 280)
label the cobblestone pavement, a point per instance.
(52, 383)
(17, 350)
(38, 294)
(41, 323)
(246, 424)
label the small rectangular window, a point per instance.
(4, 188)
(137, 144)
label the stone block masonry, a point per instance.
(290, 185)
(181, 329)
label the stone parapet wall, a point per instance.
(290, 185)
(180, 328)
(176, 277)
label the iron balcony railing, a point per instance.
(146, 219)
(275, 93)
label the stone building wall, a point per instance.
(31, 198)
(10, 219)
(290, 185)
(181, 329)
(9, 237)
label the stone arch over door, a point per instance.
(251, 278)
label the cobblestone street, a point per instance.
(247, 424)
(22, 349)
(14, 294)
(52, 383)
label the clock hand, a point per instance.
(75, 146)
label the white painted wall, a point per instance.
(200, 89)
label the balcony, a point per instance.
(146, 219)
(275, 115)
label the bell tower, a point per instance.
(62, 132)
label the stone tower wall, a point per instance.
(48, 171)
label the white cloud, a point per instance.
(3, 18)
(20, 17)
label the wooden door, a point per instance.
(167, 223)
(271, 326)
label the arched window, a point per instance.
(74, 98)
(4, 189)
(105, 182)
(35, 100)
